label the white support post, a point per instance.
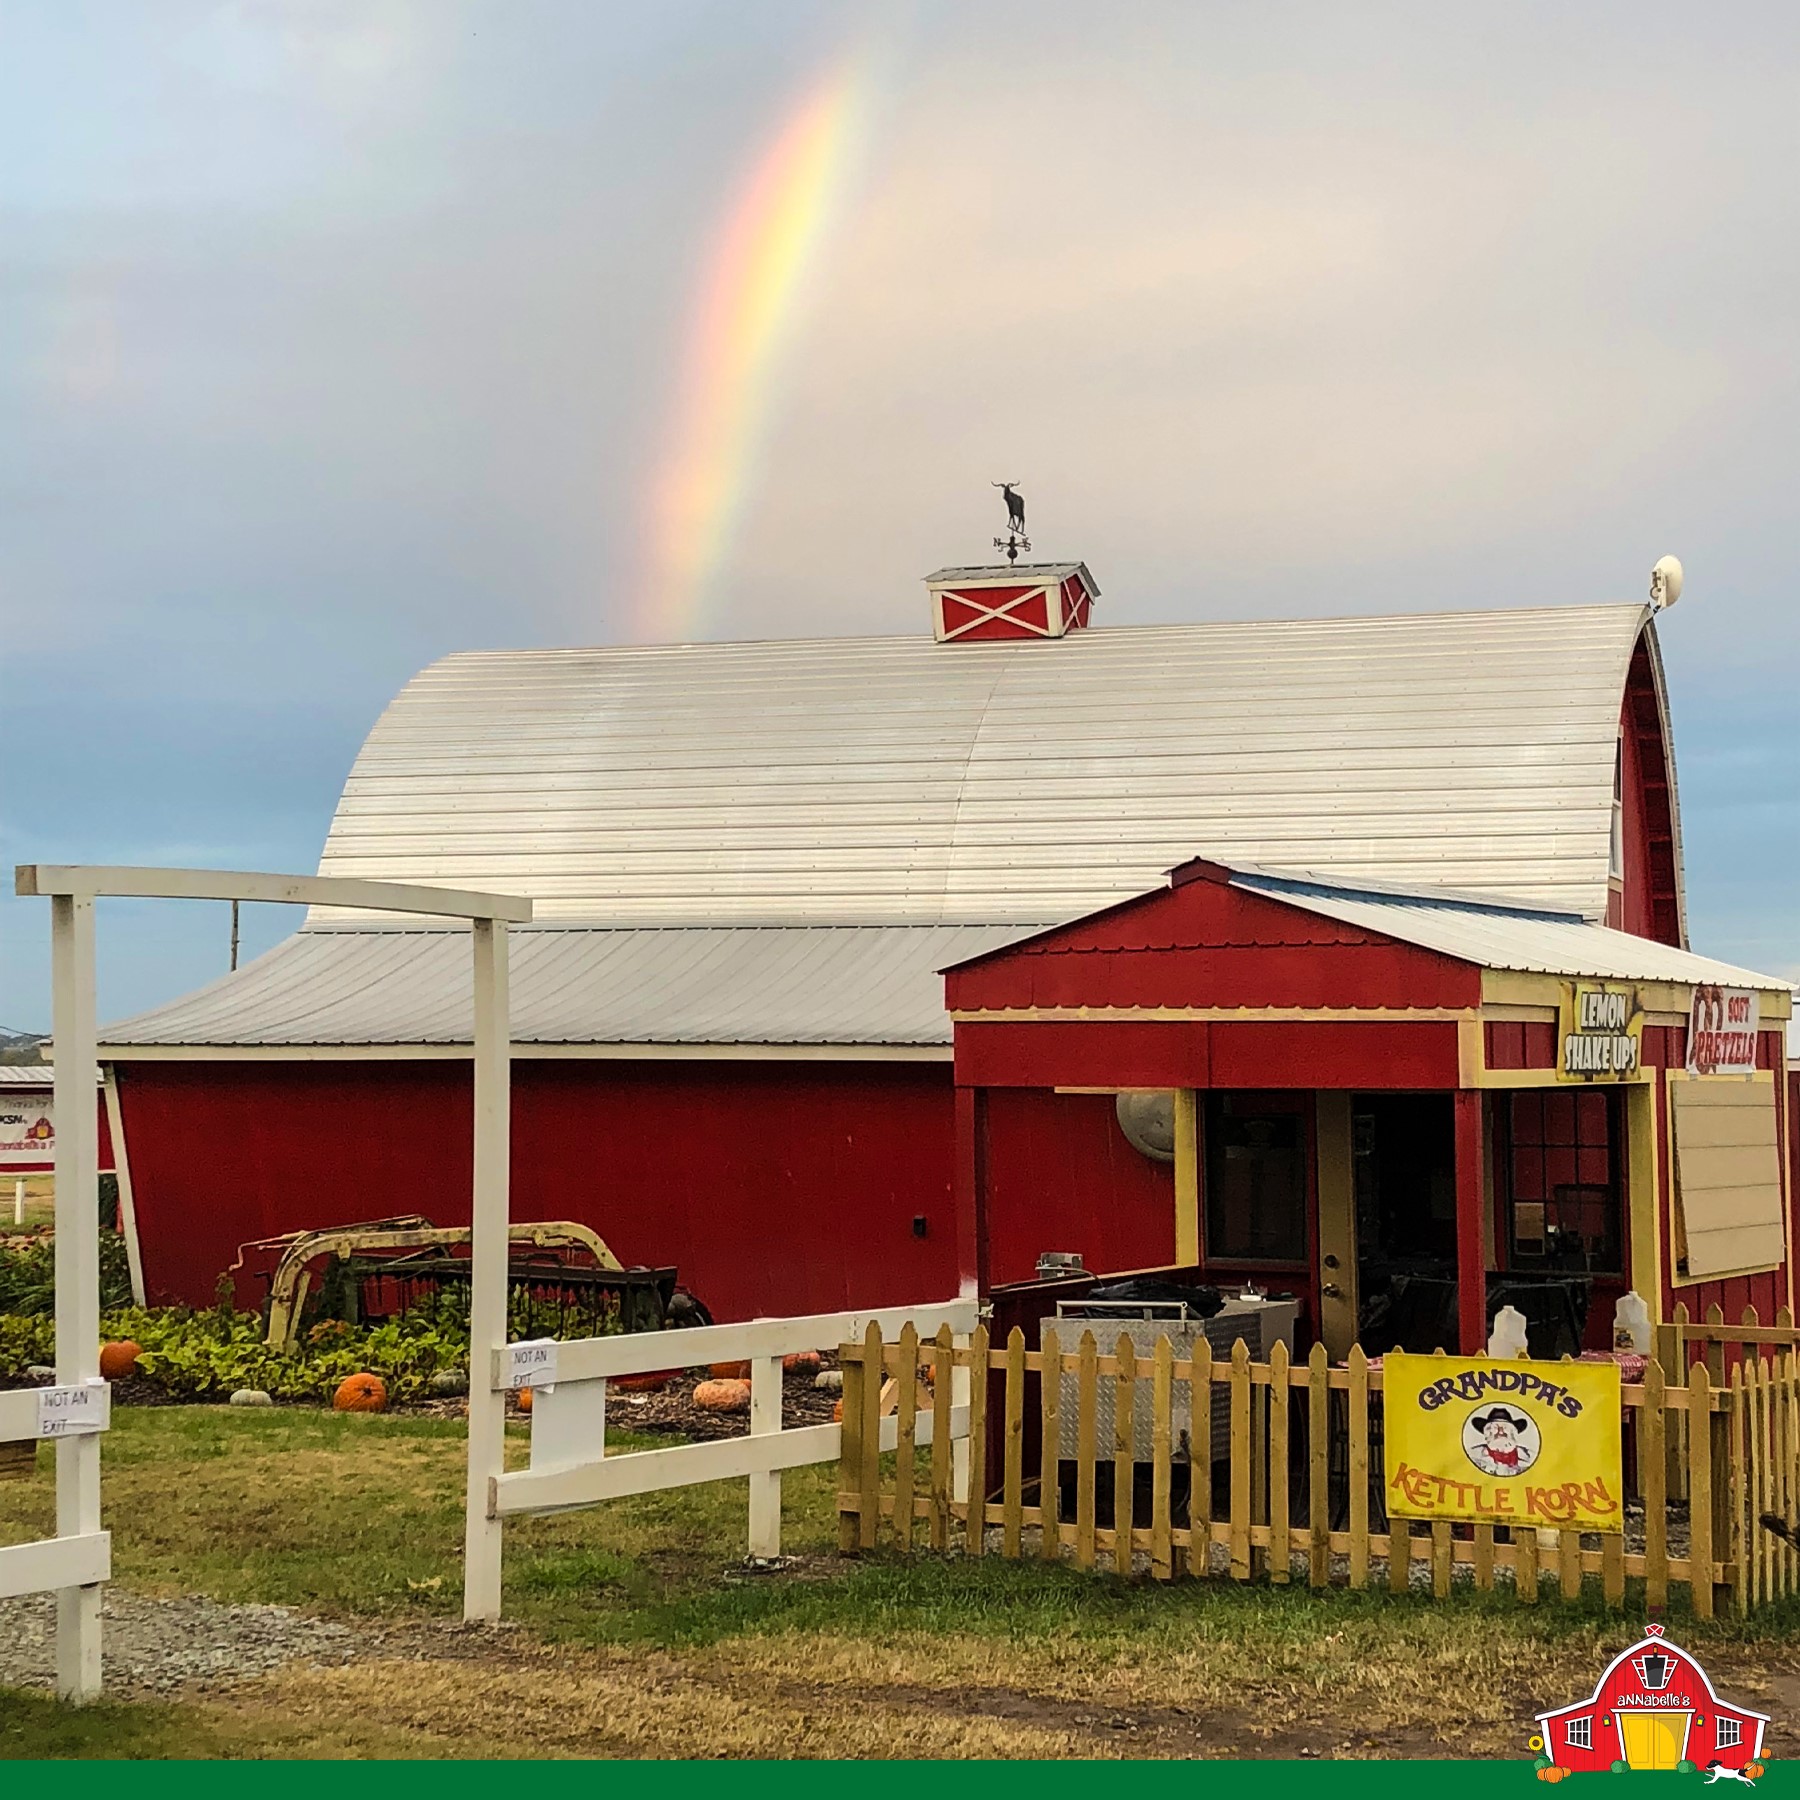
(489, 1221)
(960, 1388)
(765, 1485)
(19, 1201)
(77, 1273)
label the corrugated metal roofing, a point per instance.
(1500, 937)
(899, 781)
(846, 986)
(26, 1075)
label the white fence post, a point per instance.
(765, 1484)
(19, 1201)
(489, 1223)
(77, 1273)
(960, 1389)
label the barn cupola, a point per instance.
(1011, 600)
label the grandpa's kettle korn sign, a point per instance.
(1504, 1442)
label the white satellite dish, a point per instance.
(1665, 583)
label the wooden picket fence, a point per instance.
(1284, 1490)
(1765, 1450)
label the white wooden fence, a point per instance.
(570, 1467)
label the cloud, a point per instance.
(340, 336)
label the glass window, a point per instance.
(1731, 1731)
(1581, 1733)
(1562, 1161)
(1255, 1196)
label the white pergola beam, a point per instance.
(92, 882)
(65, 1563)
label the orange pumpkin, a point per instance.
(523, 1396)
(731, 1371)
(837, 1413)
(723, 1395)
(361, 1393)
(802, 1361)
(118, 1360)
(651, 1382)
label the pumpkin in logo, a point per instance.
(361, 1393)
(118, 1360)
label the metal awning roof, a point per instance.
(1495, 935)
(873, 986)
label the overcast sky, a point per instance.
(335, 337)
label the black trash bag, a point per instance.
(1199, 1300)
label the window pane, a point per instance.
(1255, 1182)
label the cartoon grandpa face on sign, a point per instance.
(1500, 1442)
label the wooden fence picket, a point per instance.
(1013, 1476)
(1200, 1460)
(1318, 1479)
(942, 1361)
(1359, 1467)
(1087, 1395)
(975, 1520)
(1700, 1489)
(1240, 1461)
(1162, 1458)
(1124, 1451)
(850, 1457)
(1050, 1380)
(906, 1462)
(1652, 1424)
(1281, 1548)
(870, 1435)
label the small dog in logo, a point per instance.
(1717, 1771)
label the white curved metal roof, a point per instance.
(898, 781)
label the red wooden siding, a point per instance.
(774, 1187)
(1199, 1054)
(1205, 943)
(1061, 1176)
(1521, 1044)
(1648, 904)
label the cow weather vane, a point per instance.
(1015, 539)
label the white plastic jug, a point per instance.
(1508, 1336)
(1631, 1324)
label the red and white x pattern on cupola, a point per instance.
(1046, 600)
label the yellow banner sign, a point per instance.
(1600, 1034)
(1504, 1443)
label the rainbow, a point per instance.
(743, 322)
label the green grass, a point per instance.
(34, 1726)
(646, 1608)
(362, 1514)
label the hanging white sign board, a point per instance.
(71, 1411)
(1722, 1026)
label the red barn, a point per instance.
(751, 863)
(1654, 1708)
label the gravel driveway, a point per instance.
(158, 1646)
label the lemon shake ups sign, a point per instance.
(1504, 1443)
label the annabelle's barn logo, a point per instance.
(1654, 1709)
